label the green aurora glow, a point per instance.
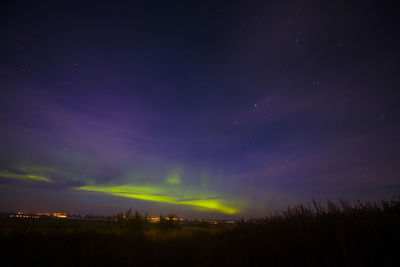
(171, 191)
(169, 194)
(28, 176)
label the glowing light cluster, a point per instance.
(168, 194)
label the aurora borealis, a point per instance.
(172, 195)
(203, 109)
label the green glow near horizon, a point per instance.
(174, 177)
(167, 194)
(173, 180)
(27, 177)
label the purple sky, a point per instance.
(262, 106)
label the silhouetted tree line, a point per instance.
(137, 220)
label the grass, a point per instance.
(363, 234)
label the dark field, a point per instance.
(364, 234)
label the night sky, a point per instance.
(203, 109)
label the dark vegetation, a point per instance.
(363, 234)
